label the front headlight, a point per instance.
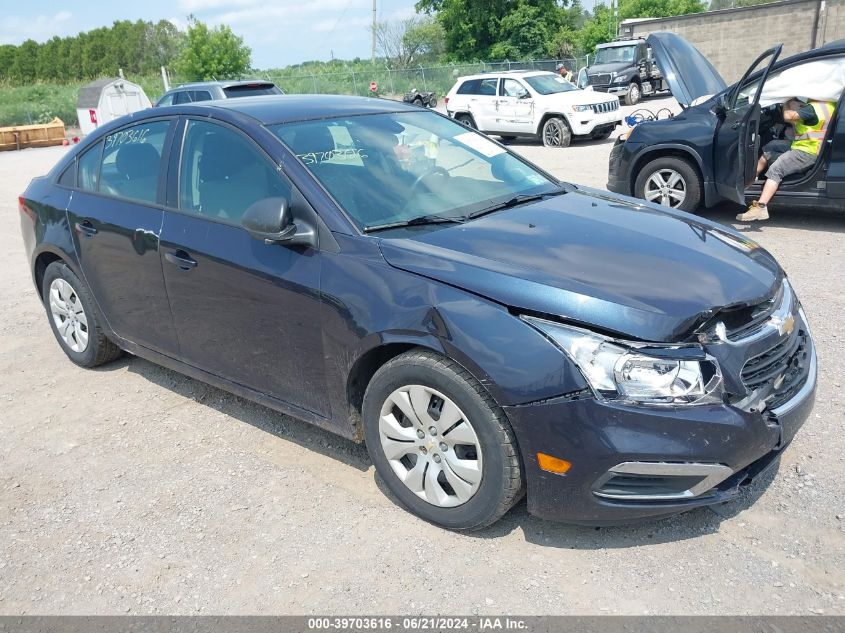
(621, 79)
(581, 108)
(636, 372)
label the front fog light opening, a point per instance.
(659, 481)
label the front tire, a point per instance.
(432, 102)
(670, 181)
(556, 133)
(441, 444)
(635, 94)
(74, 319)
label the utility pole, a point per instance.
(374, 33)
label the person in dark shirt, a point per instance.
(782, 157)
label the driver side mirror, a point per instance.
(722, 104)
(524, 95)
(271, 220)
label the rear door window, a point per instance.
(478, 87)
(131, 164)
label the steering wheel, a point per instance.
(428, 173)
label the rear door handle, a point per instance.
(181, 259)
(86, 228)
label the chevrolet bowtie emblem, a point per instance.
(784, 326)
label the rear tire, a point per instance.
(467, 120)
(671, 181)
(556, 133)
(635, 94)
(74, 319)
(418, 102)
(432, 103)
(440, 443)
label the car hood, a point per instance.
(690, 74)
(594, 259)
(609, 67)
(582, 97)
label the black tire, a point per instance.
(501, 484)
(418, 102)
(98, 349)
(556, 133)
(432, 103)
(688, 173)
(635, 94)
(467, 120)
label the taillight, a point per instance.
(25, 209)
(446, 101)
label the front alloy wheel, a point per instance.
(671, 181)
(556, 133)
(439, 441)
(431, 445)
(666, 187)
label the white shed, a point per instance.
(104, 100)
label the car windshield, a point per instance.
(549, 84)
(416, 167)
(615, 54)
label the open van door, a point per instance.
(737, 143)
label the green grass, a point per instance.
(39, 103)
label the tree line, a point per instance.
(139, 48)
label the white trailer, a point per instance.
(104, 100)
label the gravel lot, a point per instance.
(135, 489)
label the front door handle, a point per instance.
(736, 125)
(86, 228)
(181, 259)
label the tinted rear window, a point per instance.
(251, 90)
(478, 87)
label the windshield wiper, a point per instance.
(514, 202)
(421, 220)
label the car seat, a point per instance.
(138, 166)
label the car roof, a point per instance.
(272, 109)
(510, 73)
(619, 43)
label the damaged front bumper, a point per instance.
(632, 462)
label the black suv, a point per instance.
(625, 68)
(212, 90)
(708, 153)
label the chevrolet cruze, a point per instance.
(392, 276)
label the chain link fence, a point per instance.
(392, 82)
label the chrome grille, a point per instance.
(599, 80)
(600, 108)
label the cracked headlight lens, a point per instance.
(624, 370)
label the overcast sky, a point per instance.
(280, 32)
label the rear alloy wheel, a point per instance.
(440, 443)
(670, 181)
(467, 120)
(73, 319)
(635, 94)
(556, 133)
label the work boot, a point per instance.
(756, 211)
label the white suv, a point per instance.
(532, 103)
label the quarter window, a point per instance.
(88, 166)
(222, 173)
(131, 163)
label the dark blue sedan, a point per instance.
(397, 278)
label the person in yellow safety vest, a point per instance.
(564, 72)
(784, 157)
